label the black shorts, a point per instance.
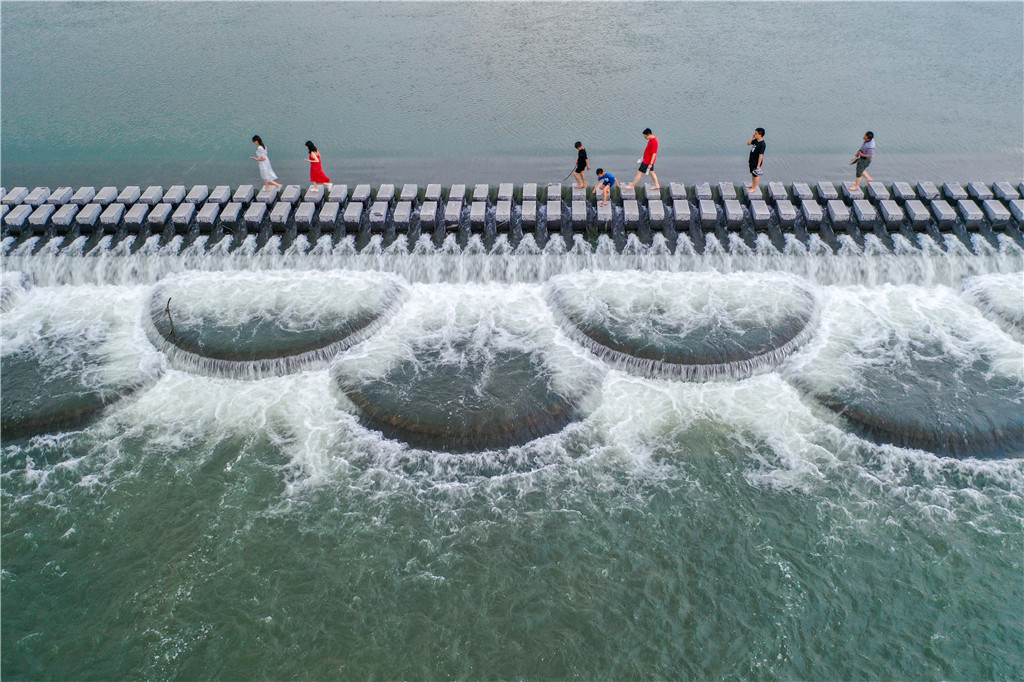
(580, 168)
(644, 168)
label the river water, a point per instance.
(263, 491)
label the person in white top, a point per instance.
(863, 158)
(266, 171)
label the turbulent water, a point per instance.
(215, 522)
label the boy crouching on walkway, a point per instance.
(605, 183)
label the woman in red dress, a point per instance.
(316, 169)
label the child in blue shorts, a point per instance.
(605, 183)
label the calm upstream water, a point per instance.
(166, 93)
(200, 514)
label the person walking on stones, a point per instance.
(604, 185)
(756, 159)
(647, 162)
(863, 158)
(316, 169)
(266, 171)
(582, 164)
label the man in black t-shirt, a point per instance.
(757, 147)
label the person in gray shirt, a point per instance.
(863, 158)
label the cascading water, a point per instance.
(575, 443)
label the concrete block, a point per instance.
(208, 213)
(954, 191)
(361, 194)
(112, 214)
(329, 213)
(153, 195)
(838, 212)
(232, 210)
(41, 215)
(850, 194)
(529, 191)
(432, 193)
(17, 195)
(726, 190)
(403, 213)
(927, 191)
(385, 193)
(64, 215)
(702, 192)
(554, 192)
(244, 194)
(17, 216)
(105, 196)
(428, 213)
(175, 195)
(379, 213)
(827, 191)
(280, 213)
(3, 193)
(944, 214)
(529, 212)
(625, 193)
(813, 215)
(129, 195)
(677, 191)
(480, 192)
(802, 192)
(1004, 191)
(503, 212)
(505, 191)
(892, 214)
(453, 211)
(917, 214)
(865, 211)
(708, 212)
(478, 210)
(777, 192)
(903, 192)
(291, 195)
(220, 195)
(409, 192)
(579, 193)
(197, 194)
(255, 213)
(314, 194)
(970, 213)
(786, 211)
(877, 191)
(760, 213)
(136, 215)
(159, 215)
(267, 196)
(979, 191)
(37, 196)
(89, 214)
(457, 193)
(1016, 207)
(555, 211)
(656, 207)
(604, 214)
(337, 194)
(750, 195)
(733, 212)
(183, 215)
(631, 213)
(60, 196)
(995, 211)
(4, 208)
(681, 213)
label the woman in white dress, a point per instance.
(266, 172)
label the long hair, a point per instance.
(258, 140)
(310, 146)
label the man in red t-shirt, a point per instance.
(647, 163)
